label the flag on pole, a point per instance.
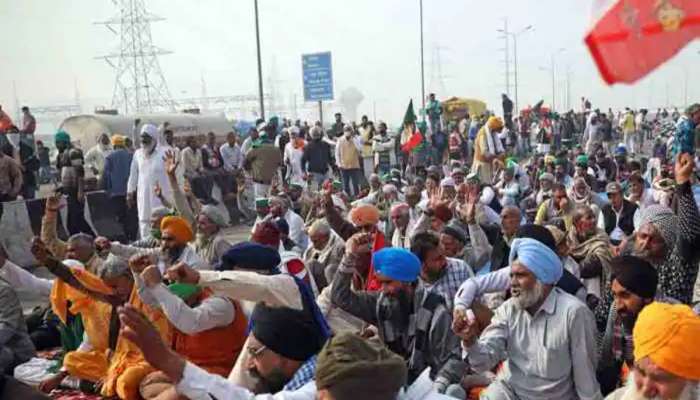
(630, 38)
(415, 139)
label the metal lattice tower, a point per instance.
(139, 85)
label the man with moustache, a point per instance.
(667, 362)
(423, 342)
(545, 337)
(633, 287)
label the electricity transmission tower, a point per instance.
(139, 85)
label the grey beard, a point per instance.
(527, 298)
(632, 393)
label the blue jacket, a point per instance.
(116, 173)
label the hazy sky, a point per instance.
(49, 47)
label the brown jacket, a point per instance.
(263, 162)
(10, 176)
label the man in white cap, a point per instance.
(147, 171)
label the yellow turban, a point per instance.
(665, 333)
(118, 140)
(494, 123)
(365, 214)
(178, 227)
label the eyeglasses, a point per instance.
(255, 353)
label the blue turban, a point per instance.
(250, 255)
(397, 264)
(537, 258)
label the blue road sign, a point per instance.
(317, 72)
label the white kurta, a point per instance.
(292, 157)
(146, 171)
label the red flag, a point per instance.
(373, 283)
(414, 141)
(635, 36)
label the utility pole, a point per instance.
(507, 54)
(514, 36)
(422, 63)
(260, 77)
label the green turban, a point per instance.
(61, 137)
(582, 160)
(351, 367)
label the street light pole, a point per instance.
(514, 36)
(554, 89)
(554, 84)
(260, 77)
(422, 64)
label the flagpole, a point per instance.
(422, 64)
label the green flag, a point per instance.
(410, 116)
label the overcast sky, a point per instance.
(49, 49)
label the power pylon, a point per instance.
(139, 85)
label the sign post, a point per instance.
(317, 73)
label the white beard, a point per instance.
(527, 298)
(632, 393)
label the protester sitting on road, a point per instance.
(665, 361)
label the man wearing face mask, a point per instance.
(316, 159)
(347, 156)
(147, 171)
(95, 157)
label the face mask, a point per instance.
(76, 162)
(347, 135)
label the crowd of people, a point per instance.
(526, 256)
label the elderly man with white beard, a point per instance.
(667, 363)
(545, 336)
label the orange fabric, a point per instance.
(61, 293)
(366, 214)
(127, 365)
(95, 314)
(665, 333)
(373, 283)
(475, 393)
(215, 350)
(88, 365)
(178, 227)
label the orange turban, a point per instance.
(365, 214)
(178, 227)
(494, 123)
(665, 333)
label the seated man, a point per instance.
(439, 274)
(104, 358)
(667, 361)
(249, 273)
(347, 366)
(323, 255)
(395, 308)
(209, 329)
(15, 345)
(537, 318)
(206, 222)
(175, 237)
(634, 283)
(77, 247)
